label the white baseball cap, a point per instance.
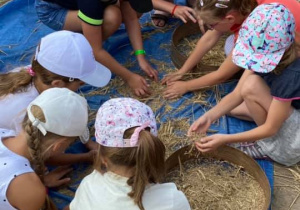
(69, 54)
(66, 113)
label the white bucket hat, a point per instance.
(66, 113)
(69, 54)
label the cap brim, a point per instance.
(99, 78)
(141, 6)
(258, 62)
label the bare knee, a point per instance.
(111, 21)
(251, 86)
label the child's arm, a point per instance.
(94, 35)
(133, 28)
(227, 103)
(26, 192)
(206, 42)
(59, 159)
(182, 12)
(67, 207)
(225, 71)
(279, 111)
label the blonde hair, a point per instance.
(14, 82)
(38, 145)
(147, 161)
(288, 57)
(244, 7)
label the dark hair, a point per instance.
(147, 161)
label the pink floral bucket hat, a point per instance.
(264, 37)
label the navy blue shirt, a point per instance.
(286, 85)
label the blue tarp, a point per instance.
(21, 31)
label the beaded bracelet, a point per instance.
(139, 52)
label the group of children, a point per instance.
(41, 115)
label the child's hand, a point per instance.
(171, 78)
(185, 13)
(201, 125)
(139, 85)
(201, 24)
(210, 143)
(175, 90)
(147, 68)
(56, 178)
(92, 155)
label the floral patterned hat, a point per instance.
(264, 37)
(117, 115)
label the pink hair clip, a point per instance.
(30, 71)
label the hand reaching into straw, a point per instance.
(175, 90)
(201, 125)
(210, 143)
(173, 77)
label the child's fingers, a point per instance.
(63, 181)
(201, 148)
(61, 171)
(190, 16)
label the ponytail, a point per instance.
(37, 146)
(147, 161)
(150, 168)
(14, 82)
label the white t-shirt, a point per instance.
(109, 192)
(13, 108)
(11, 166)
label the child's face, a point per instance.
(74, 86)
(218, 24)
(223, 25)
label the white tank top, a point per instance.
(11, 166)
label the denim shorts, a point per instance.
(52, 15)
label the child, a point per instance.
(49, 127)
(130, 163)
(98, 20)
(219, 16)
(269, 87)
(165, 8)
(62, 59)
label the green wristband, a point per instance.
(140, 52)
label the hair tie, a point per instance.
(30, 71)
(135, 136)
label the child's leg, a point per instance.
(241, 112)
(257, 98)
(111, 21)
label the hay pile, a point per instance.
(172, 130)
(214, 57)
(217, 185)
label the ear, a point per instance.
(58, 83)
(230, 18)
(58, 144)
(104, 161)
